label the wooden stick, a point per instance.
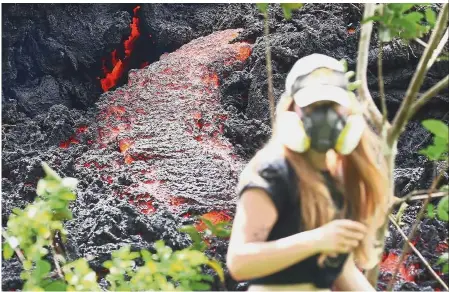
(362, 67)
(423, 260)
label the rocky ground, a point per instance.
(169, 143)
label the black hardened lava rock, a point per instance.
(52, 52)
(170, 143)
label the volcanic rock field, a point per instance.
(156, 108)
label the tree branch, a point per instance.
(438, 50)
(269, 69)
(418, 78)
(415, 228)
(362, 67)
(381, 84)
(419, 41)
(417, 195)
(56, 261)
(423, 260)
(16, 250)
(425, 98)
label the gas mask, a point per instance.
(323, 125)
(317, 78)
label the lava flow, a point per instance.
(164, 131)
(119, 66)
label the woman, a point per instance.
(312, 199)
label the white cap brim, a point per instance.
(316, 93)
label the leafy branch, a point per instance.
(31, 234)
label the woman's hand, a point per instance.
(340, 236)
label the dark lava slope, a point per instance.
(169, 145)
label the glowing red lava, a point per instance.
(112, 77)
(389, 263)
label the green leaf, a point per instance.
(198, 286)
(443, 209)
(445, 269)
(8, 252)
(414, 16)
(50, 172)
(263, 7)
(223, 233)
(62, 214)
(191, 230)
(208, 223)
(372, 18)
(217, 267)
(400, 7)
(431, 16)
(41, 187)
(385, 34)
(289, 7)
(67, 196)
(57, 285)
(430, 211)
(354, 85)
(444, 258)
(444, 188)
(433, 152)
(438, 128)
(69, 182)
(42, 269)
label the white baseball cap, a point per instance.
(329, 85)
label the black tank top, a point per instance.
(281, 184)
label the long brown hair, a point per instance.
(364, 186)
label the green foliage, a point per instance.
(263, 7)
(443, 209)
(80, 277)
(287, 8)
(400, 213)
(164, 270)
(31, 231)
(221, 230)
(403, 20)
(439, 149)
(444, 261)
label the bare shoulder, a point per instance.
(255, 216)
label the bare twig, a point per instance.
(17, 251)
(423, 260)
(421, 212)
(362, 67)
(438, 50)
(269, 69)
(431, 92)
(381, 84)
(419, 41)
(56, 261)
(418, 195)
(418, 77)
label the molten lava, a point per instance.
(389, 263)
(119, 66)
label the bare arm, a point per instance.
(249, 254)
(352, 279)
